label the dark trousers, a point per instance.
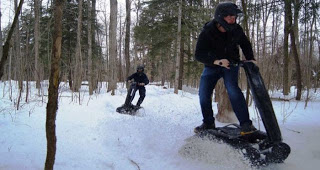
(208, 81)
(142, 94)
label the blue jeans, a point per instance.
(208, 81)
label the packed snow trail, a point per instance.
(93, 135)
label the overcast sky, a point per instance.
(7, 9)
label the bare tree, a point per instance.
(286, 84)
(54, 82)
(7, 43)
(18, 55)
(310, 56)
(138, 8)
(1, 47)
(177, 68)
(107, 65)
(37, 4)
(120, 38)
(127, 37)
(113, 46)
(289, 30)
(225, 112)
(77, 74)
(90, 71)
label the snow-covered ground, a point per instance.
(91, 135)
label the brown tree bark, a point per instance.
(119, 66)
(19, 58)
(113, 46)
(77, 74)
(127, 37)
(90, 71)
(297, 63)
(1, 47)
(286, 84)
(37, 4)
(107, 65)
(289, 30)
(7, 43)
(54, 81)
(225, 112)
(178, 54)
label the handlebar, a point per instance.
(240, 63)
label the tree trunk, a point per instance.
(289, 27)
(1, 47)
(107, 65)
(120, 72)
(127, 37)
(37, 4)
(181, 72)
(297, 63)
(7, 43)
(177, 68)
(225, 111)
(90, 71)
(286, 46)
(27, 65)
(53, 92)
(17, 54)
(95, 68)
(309, 60)
(113, 45)
(77, 74)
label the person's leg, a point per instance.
(208, 81)
(230, 77)
(142, 93)
(133, 92)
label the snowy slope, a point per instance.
(91, 135)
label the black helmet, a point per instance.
(140, 67)
(224, 9)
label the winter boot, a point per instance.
(247, 128)
(204, 127)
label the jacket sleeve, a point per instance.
(246, 46)
(203, 48)
(146, 80)
(131, 77)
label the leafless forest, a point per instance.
(105, 41)
(88, 42)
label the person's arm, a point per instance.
(131, 77)
(146, 80)
(202, 52)
(246, 46)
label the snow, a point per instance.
(92, 135)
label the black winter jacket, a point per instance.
(215, 45)
(139, 78)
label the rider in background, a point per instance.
(141, 79)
